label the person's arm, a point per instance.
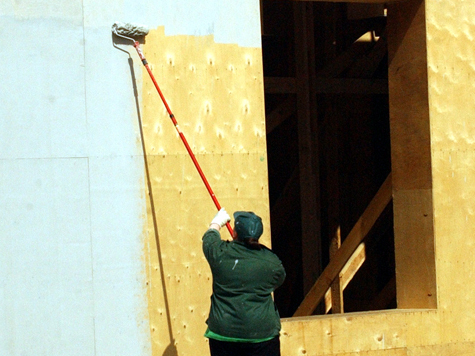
(214, 226)
(278, 270)
(280, 276)
(212, 237)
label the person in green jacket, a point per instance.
(243, 319)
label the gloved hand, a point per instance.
(221, 218)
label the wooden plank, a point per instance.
(287, 85)
(411, 156)
(347, 273)
(355, 237)
(331, 145)
(415, 258)
(351, 86)
(308, 148)
(353, 265)
(336, 289)
(409, 98)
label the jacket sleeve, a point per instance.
(279, 275)
(211, 244)
(278, 270)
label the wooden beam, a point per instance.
(351, 86)
(336, 289)
(349, 245)
(307, 138)
(347, 273)
(331, 16)
(277, 85)
(411, 156)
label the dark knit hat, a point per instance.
(247, 225)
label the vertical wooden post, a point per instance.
(308, 150)
(332, 37)
(411, 156)
(336, 288)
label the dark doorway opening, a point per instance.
(328, 146)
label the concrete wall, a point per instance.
(74, 245)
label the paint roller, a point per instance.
(130, 31)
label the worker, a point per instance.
(243, 318)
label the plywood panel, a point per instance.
(456, 349)
(353, 332)
(455, 221)
(411, 156)
(415, 250)
(216, 93)
(447, 329)
(373, 332)
(451, 70)
(408, 96)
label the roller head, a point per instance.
(129, 30)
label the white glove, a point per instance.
(221, 218)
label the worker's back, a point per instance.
(243, 280)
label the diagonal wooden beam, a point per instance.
(336, 289)
(351, 243)
(367, 64)
(347, 273)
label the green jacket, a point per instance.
(243, 280)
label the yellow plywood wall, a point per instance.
(447, 329)
(216, 93)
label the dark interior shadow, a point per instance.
(403, 14)
(171, 349)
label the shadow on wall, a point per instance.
(171, 349)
